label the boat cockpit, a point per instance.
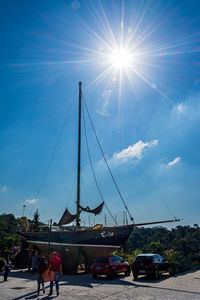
(46, 228)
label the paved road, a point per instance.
(22, 285)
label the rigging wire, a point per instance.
(70, 194)
(132, 219)
(86, 139)
(83, 185)
(157, 192)
(53, 152)
(150, 182)
(153, 187)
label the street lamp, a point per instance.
(23, 210)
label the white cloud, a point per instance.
(4, 188)
(180, 108)
(31, 201)
(134, 151)
(189, 109)
(174, 162)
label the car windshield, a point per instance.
(101, 260)
(145, 259)
(115, 259)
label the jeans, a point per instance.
(7, 271)
(56, 282)
(40, 281)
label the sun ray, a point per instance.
(137, 26)
(152, 85)
(109, 27)
(98, 78)
(94, 33)
(122, 25)
(112, 50)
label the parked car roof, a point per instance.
(148, 254)
(107, 256)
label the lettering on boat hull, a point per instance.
(107, 234)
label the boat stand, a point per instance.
(81, 256)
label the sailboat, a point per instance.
(80, 245)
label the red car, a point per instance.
(110, 266)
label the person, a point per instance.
(41, 267)
(30, 260)
(34, 261)
(7, 266)
(56, 267)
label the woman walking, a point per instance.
(56, 267)
(42, 266)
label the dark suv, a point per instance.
(149, 264)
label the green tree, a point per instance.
(36, 222)
(157, 247)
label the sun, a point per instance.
(121, 58)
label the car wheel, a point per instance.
(94, 276)
(157, 274)
(112, 274)
(135, 275)
(128, 271)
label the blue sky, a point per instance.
(139, 65)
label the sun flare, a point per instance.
(121, 58)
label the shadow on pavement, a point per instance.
(86, 280)
(67, 280)
(146, 279)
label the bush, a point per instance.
(1, 263)
(175, 267)
(130, 256)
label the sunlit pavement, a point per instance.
(23, 285)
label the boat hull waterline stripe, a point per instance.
(74, 245)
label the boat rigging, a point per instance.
(83, 244)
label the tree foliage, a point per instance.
(182, 241)
(8, 237)
(36, 220)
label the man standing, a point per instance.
(34, 261)
(56, 267)
(7, 264)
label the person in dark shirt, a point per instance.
(41, 267)
(7, 266)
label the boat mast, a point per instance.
(79, 160)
